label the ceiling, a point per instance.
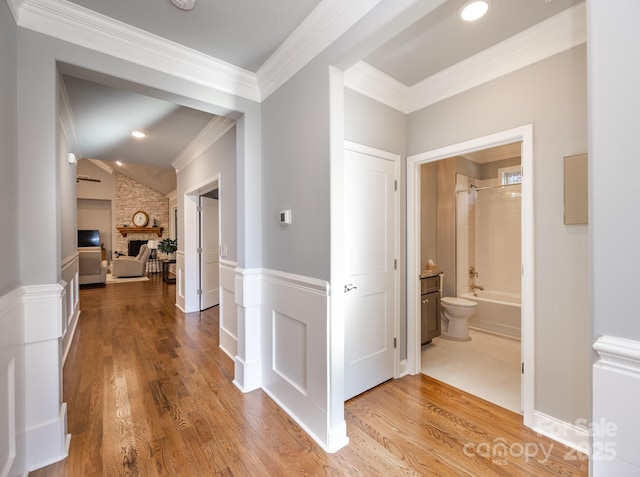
(441, 39)
(246, 33)
(241, 32)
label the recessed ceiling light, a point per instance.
(119, 163)
(138, 134)
(473, 10)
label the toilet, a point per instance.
(455, 318)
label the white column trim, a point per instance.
(46, 435)
(248, 298)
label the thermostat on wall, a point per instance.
(285, 217)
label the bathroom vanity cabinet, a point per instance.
(429, 307)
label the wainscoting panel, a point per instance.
(11, 386)
(228, 309)
(71, 309)
(616, 414)
(180, 284)
(294, 349)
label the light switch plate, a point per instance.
(285, 217)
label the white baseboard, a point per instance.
(337, 437)
(404, 368)
(48, 442)
(566, 433)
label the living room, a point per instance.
(108, 199)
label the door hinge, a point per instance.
(199, 208)
(395, 185)
(199, 291)
(522, 368)
(395, 342)
(395, 263)
(199, 250)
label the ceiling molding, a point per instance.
(325, 24)
(14, 6)
(73, 23)
(367, 80)
(81, 26)
(213, 131)
(550, 37)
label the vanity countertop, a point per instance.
(429, 273)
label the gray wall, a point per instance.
(614, 98)
(95, 214)
(551, 95)
(295, 148)
(67, 217)
(10, 276)
(374, 124)
(428, 213)
(219, 158)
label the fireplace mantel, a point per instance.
(140, 230)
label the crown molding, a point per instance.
(550, 37)
(14, 6)
(367, 80)
(325, 24)
(214, 130)
(70, 22)
(78, 25)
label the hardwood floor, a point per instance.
(149, 393)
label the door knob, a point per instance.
(349, 287)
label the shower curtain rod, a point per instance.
(473, 189)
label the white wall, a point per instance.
(551, 95)
(614, 102)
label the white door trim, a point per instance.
(524, 134)
(395, 158)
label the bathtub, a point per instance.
(496, 313)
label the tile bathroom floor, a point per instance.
(488, 366)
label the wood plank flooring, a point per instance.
(149, 393)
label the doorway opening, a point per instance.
(190, 285)
(209, 250)
(471, 227)
(523, 135)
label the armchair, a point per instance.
(91, 267)
(131, 266)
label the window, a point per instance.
(511, 175)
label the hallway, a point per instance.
(150, 393)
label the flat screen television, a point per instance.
(88, 238)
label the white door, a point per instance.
(209, 258)
(370, 286)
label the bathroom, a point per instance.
(470, 210)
